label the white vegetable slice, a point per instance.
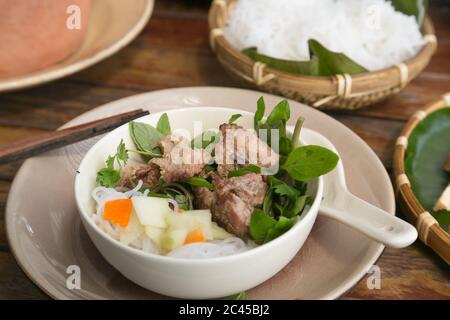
(219, 233)
(151, 211)
(133, 230)
(171, 240)
(190, 220)
(154, 233)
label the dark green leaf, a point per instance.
(163, 125)
(108, 177)
(282, 188)
(323, 62)
(243, 171)
(280, 114)
(416, 8)
(282, 225)
(310, 67)
(199, 182)
(234, 117)
(428, 149)
(333, 63)
(298, 206)
(268, 202)
(259, 114)
(309, 162)
(260, 224)
(285, 146)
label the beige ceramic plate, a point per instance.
(46, 235)
(112, 25)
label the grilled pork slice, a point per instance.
(179, 160)
(233, 200)
(238, 146)
(148, 173)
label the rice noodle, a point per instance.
(212, 249)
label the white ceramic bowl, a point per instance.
(186, 278)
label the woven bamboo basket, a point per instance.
(338, 92)
(428, 228)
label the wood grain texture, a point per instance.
(173, 51)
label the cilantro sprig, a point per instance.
(109, 176)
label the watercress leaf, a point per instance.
(281, 226)
(279, 115)
(234, 117)
(144, 136)
(163, 125)
(298, 205)
(267, 203)
(199, 182)
(259, 114)
(108, 177)
(260, 224)
(332, 63)
(308, 162)
(243, 171)
(285, 146)
(122, 153)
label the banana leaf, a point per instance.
(417, 8)
(323, 62)
(428, 149)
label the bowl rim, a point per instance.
(84, 214)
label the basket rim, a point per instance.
(424, 54)
(404, 190)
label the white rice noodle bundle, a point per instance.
(371, 32)
(101, 195)
(212, 249)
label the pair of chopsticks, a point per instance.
(35, 145)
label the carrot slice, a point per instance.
(118, 211)
(195, 235)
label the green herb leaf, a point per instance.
(282, 188)
(416, 8)
(299, 205)
(122, 153)
(309, 162)
(182, 201)
(108, 177)
(234, 117)
(204, 140)
(144, 136)
(237, 296)
(259, 114)
(163, 125)
(268, 202)
(199, 182)
(243, 171)
(260, 224)
(282, 225)
(280, 114)
(110, 162)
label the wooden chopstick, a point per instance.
(32, 146)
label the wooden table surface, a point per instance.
(173, 51)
